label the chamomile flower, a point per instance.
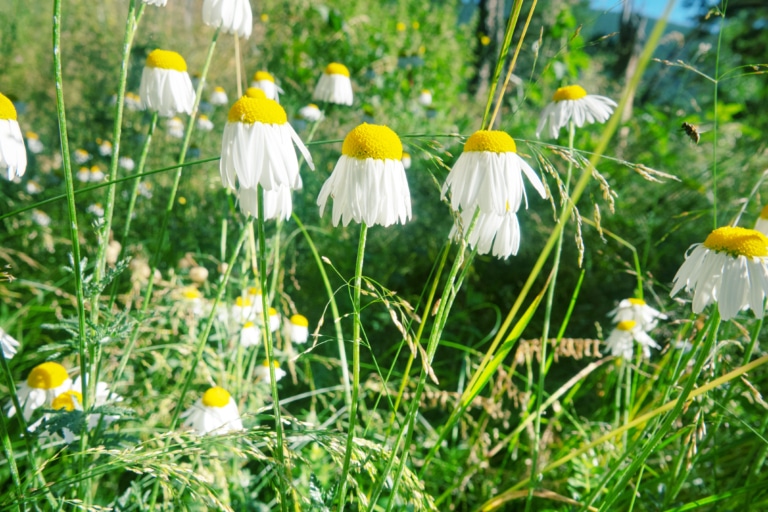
(334, 85)
(250, 335)
(243, 310)
(34, 144)
(297, 329)
(761, 224)
(204, 124)
(368, 183)
(255, 93)
(274, 320)
(489, 175)
(133, 101)
(41, 218)
(159, 3)
(83, 175)
(266, 82)
(637, 310)
(33, 187)
(95, 209)
(730, 268)
(254, 295)
(219, 96)
(493, 233)
(233, 16)
(44, 383)
(105, 147)
(81, 156)
(175, 127)
(215, 413)
(621, 339)
(573, 103)
(278, 203)
(103, 397)
(8, 344)
(425, 98)
(406, 159)
(96, 174)
(127, 163)
(310, 113)
(192, 300)
(13, 154)
(262, 372)
(165, 84)
(257, 147)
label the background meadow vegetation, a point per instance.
(585, 447)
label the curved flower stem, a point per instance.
(540, 398)
(342, 492)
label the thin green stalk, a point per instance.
(9, 456)
(334, 311)
(356, 289)
(283, 471)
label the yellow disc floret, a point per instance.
(494, 141)
(243, 302)
(274, 364)
(737, 241)
(334, 68)
(216, 397)
(626, 325)
(7, 110)
(637, 302)
(165, 59)
(570, 92)
(48, 375)
(263, 75)
(255, 93)
(249, 110)
(300, 320)
(191, 293)
(66, 401)
(372, 141)
(249, 325)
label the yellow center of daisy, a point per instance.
(372, 141)
(274, 363)
(263, 75)
(637, 302)
(252, 290)
(66, 401)
(48, 375)
(570, 92)
(764, 213)
(272, 312)
(218, 88)
(300, 320)
(334, 68)
(216, 397)
(165, 59)
(191, 293)
(242, 302)
(313, 106)
(29, 135)
(494, 141)
(7, 110)
(249, 110)
(256, 93)
(248, 325)
(626, 325)
(737, 241)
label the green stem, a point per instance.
(355, 364)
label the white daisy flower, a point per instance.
(334, 85)
(83, 175)
(219, 96)
(761, 224)
(175, 127)
(96, 174)
(250, 335)
(311, 113)
(243, 310)
(489, 175)
(193, 301)
(274, 320)
(262, 372)
(257, 147)
(81, 156)
(255, 93)
(41, 218)
(44, 383)
(297, 329)
(493, 233)
(105, 147)
(34, 144)
(234, 16)
(573, 103)
(33, 187)
(266, 82)
(203, 123)
(8, 345)
(165, 85)
(13, 154)
(159, 3)
(637, 310)
(620, 341)
(406, 159)
(215, 413)
(127, 163)
(277, 203)
(96, 209)
(730, 268)
(254, 295)
(133, 101)
(145, 190)
(368, 183)
(103, 397)
(425, 98)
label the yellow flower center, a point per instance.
(66, 401)
(248, 325)
(626, 325)
(272, 312)
(265, 17)
(263, 75)
(570, 92)
(7, 110)
(400, 26)
(95, 168)
(255, 93)
(300, 320)
(191, 293)
(48, 375)
(248, 110)
(165, 59)
(334, 68)
(29, 135)
(252, 290)
(216, 397)
(637, 302)
(737, 241)
(218, 88)
(494, 141)
(415, 25)
(203, 117)
(372, 141)
(242, 302)
(274, 363)
(485, 40)
(313, 106)
(764, 212)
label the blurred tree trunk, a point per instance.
(490, 36)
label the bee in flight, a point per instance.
(692, 132)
